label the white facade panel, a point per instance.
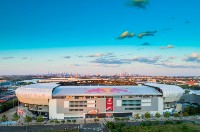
(66, 104)
(91, 101)
(146, 104)
(119, 102)
(53, 110)
(146, 100)
(90, 105)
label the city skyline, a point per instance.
(83, 37)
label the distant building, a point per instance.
(192, 98)
(62, 102)
(56, 80)
(191, 83)
(151, 80)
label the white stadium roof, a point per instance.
(40, 93)
(36, 93)
(169, 91)
(104, 90)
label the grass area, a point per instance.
(149, 126)
(163, 128)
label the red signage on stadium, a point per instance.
(109, 104)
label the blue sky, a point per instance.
(82, 37)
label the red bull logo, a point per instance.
(106, 90)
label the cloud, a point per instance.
(167, 47)
(138, 3)
(146, 44)
(156, 60)
(100, 55)
(74, 65)
(194, 57)
(175, 65)
(96, 55)
(67, 57)
(10, 57)
(110, 61)
(126, 34)
(147, 33)
(172, 57)
(80, 56)
(106, 65)
(147, 60)
(127, 61)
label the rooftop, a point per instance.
(104, 90)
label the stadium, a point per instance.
(63, 102)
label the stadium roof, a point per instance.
(104, 90)
(168, 90)
(41, 86)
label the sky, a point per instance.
(85, 37)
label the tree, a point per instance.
(4, 118)
(28, 119)
(15, 117)
(126, 119)
(185, 114)
(63, 121)
(74, 121)
(96, 119)
(56, 121)
(176, 115)
(68, 121)
(122, 119)
(117, 119)
(40, 119)
(157, 115)
(147, 115)
(166, 114)
(137, 116)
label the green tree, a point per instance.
(157, 115)
(28, 119)
(63, 121)
(74, 121)
(15, 117)
(185, 114)
(137, 116)
(68, 121)
(176, 114)
(147, 115)
(126, 119)
(117, 119)
(56, 121)
(96, 119)
(166, 114)
(40, 119)
(4, 118)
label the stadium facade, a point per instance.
(61, 102)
